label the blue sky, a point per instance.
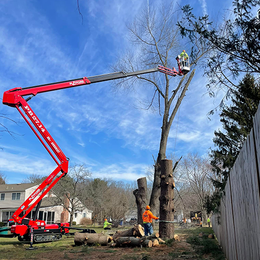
(46, 41)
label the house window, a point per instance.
(16, 196)
(41, 215)
(76, 215)
(49, 217)
(84, 215)
(6, 215)
(2, 196)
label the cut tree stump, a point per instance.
(141, 198)
(91, 238)
(135, 231)
(166, 225)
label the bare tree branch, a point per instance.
(79, 11)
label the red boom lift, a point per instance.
(25, 227)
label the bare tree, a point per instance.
(156, 40)
(69, 191)
(72, 186)
(194, 184)
(199, 172)
(95, 197)
(119, 201)
(2, 178)
(108, 199)
(34, 178)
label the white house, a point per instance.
(13, 195)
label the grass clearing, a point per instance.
(195, 248)
(204, 245)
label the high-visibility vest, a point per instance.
(184, 54)
(148, 216)
(106, 224)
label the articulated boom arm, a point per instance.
(12, 96)
(55, 152)
(15, 98)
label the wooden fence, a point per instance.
(238, 226)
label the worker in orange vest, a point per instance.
(147, 221)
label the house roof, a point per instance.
(53, 201)
(49, 202)
(16, 187)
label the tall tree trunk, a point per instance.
(166, 125)
(166, 225)
(154, 203)
(141, 198)
(71, 216)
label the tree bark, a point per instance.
(141, 198)
(90, 238)
(136, 231)
(166, 225)
(153, 236)
(129, 241)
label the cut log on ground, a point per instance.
(129, 241)
(147, 243)
(211, 236)
(113, 244)
(154, 235)
(177, 238)
(91, 238)
(155, 242)
(135, 231)
(161, 241)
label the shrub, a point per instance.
(85, 221)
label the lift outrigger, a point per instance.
(33, 229)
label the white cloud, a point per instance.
(24, 164)
(121, 171)
(204, 6)
(189, 136)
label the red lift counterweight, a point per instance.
(17, 97)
